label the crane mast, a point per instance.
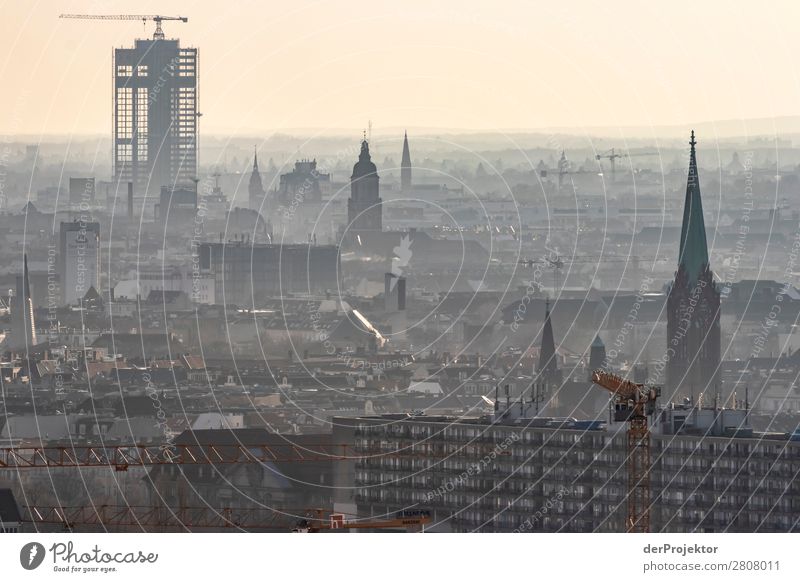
(633, 403)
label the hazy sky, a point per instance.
(267, 65)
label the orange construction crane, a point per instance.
(410, 520)
(122, 457)
(633, 403)
(157, 35)
(159, 518)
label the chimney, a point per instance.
(401, 294)
(388, 291)
(394, 292)
(130, 200)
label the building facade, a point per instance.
(248, 274)
(557, 475)
(79, 259)
(303, 184)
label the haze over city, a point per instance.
(419, 267)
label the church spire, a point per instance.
(255, 189)
(23, 332)
(405, 166)
(547, 352)
(693, 251)
(26, 282)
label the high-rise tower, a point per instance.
(255, 189)
(155, 115)
(405, 166)
(693, 304)
(364, 208)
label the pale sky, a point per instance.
(267, 65)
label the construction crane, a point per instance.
(123, 457)
(183, 517)
(158, 19)
(559, 262)
(613, 155)
(410, 520)
(160, 518)
(156, 518)
(564, 170)
(633, 403)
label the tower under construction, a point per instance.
(155, 115)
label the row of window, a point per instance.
(127, 70)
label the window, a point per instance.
(141, 124)
(124, 70)
(124, 112)
(141, 71)
(124, 153)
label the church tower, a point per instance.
(548, 377)
(405, 166)
(693, 304)
(255, 188)
(597, 356)
(364, 208)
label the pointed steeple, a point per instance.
(547, 352)
(405, 166)
(26, 282)
(23, 332)
(693, 251)
(255, 188)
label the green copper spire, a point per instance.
(693, 255)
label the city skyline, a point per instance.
(424, 267)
